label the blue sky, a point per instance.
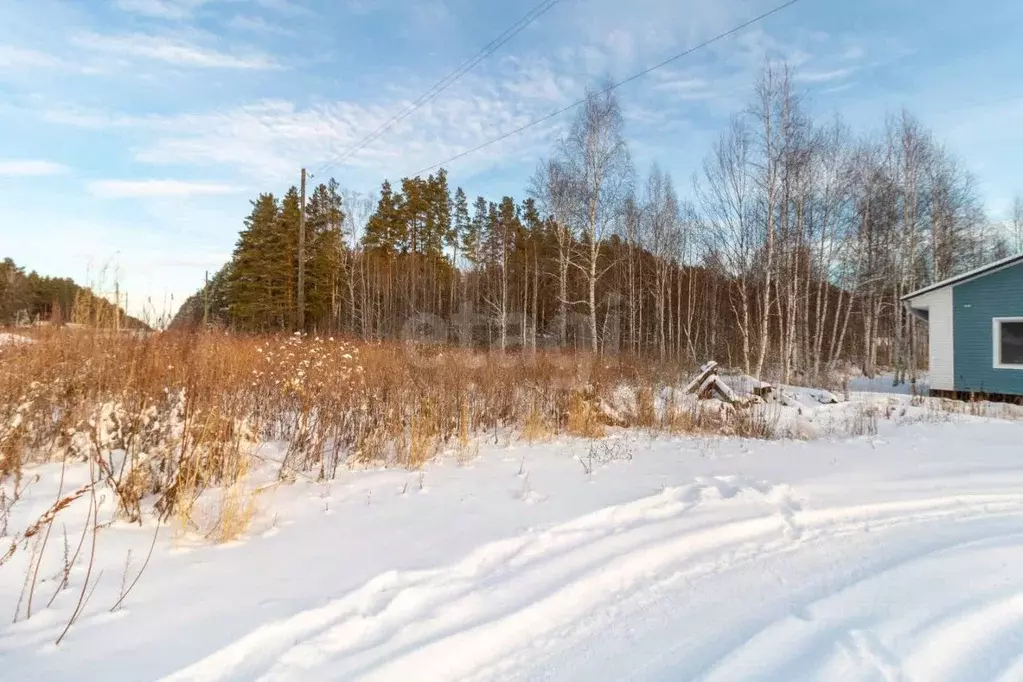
(133, 133)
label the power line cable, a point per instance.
(614, 86)
(449, 80)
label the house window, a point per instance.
(1008, 332)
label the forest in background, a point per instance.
(791, 256)
(33, 299)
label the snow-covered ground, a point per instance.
(890, 556)
(883, 383)
(7, 337)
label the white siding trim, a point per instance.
(996, 338)
(941, 336)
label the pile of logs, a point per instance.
(709, 384)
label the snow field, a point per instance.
(890, 556)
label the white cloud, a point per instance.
(292, 7)
(622, 45)
(30, 168)
(268, 141)
(183, 9)
(854, 52)
(842, 87)
(537, 79)
(685, 88)
(430, 12)
(370, 6)
(26, 63)
(643, 30)
(164, 9)
(171, 50)
(120, 189)
(85, 117)
(823, 76)
(13, 57)
(257, 24)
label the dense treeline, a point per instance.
(792, 255)
(32, 299)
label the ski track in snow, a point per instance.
(563, 602)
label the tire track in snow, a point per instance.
(866, 647)
(957, 646)
(458, 621)
(832, 635)
(356, 610)
(777, 638)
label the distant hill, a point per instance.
(29, 298)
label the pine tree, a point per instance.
(460, 223)
(438, 221)
(472, 237)
(530, 217)
(384, 229)
(250, 283)
(414, 215)
(284, 261)
(325, 255)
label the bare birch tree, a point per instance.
(662, 232)
(597, 158)
(726, 194)
(552, 189)
(773, 99)
(1016, 224)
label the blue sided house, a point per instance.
(975, 326)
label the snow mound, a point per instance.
(7, 338)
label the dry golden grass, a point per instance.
(582, 418)
(535, 429)
(423, 439)
(238, 507)
(464, 427)
(646, 414)
(166, 416)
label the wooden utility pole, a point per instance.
(301, 259)
(206, 301)
(117, 307)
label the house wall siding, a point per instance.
(976, 304)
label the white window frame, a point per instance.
(996, 330)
